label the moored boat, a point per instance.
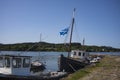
(17, 67)
(76, 59)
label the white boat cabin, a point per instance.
(78, 54)
(15, 65)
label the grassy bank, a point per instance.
(107, 69)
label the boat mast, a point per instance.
(39, 45)
(71, 33)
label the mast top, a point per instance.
(74, 12)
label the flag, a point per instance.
(64, 31)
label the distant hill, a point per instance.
(44, 46)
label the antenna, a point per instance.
(40, 37)
(83, 44)
(83, 41)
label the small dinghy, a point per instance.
(37, 66)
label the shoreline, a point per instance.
(107, 69)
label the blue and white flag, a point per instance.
(64, 31)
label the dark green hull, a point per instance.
(70, 65)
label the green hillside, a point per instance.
(44, 46)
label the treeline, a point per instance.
(43, 46)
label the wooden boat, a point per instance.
(76, 59)
(16, 67)
(73, 64)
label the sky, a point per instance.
(98, 21)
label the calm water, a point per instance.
(51, 58)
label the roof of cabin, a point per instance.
(78, 51)
(15, 56)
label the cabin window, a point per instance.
(17, 62)
(26, 62)
(87, 54)
(83, 54)
(74, 53)
(79, 53)
(1, 62)
(7, 62)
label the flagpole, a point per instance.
(71, 33)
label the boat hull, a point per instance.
(31, 78)
(38, 77)
(70, 65)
